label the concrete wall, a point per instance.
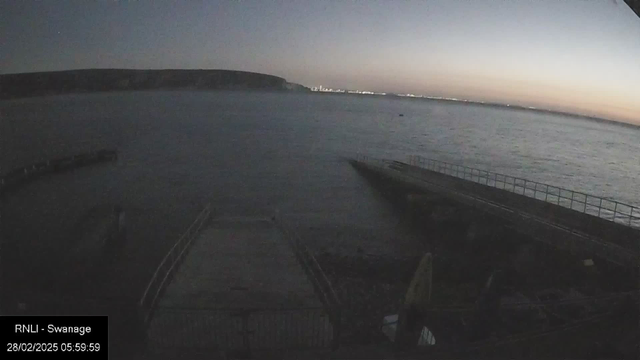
(500, 203)
(618, 234)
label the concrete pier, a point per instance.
(240, 288)
(553, 224)
(240, 263)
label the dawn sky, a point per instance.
(573, 55)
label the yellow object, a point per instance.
(419, 292)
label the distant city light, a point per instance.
(321, 88)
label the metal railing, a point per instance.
(166, 269)
(244, 329)
(603, 208)
(321, 283)
(230, 329)
(541, 229)
(372, 160)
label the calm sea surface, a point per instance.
(247, 153)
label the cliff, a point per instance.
(95, 80)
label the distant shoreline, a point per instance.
(494, 105)
(89, 81)
(122, 91)
(24, 85)
(547, 111)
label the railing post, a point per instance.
(631, 215)
(615, 211)
(524, 188)
(546, 193)
(599, 206)
(571, 206)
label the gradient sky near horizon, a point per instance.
(580, 56)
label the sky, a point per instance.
(581, 56)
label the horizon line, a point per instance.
(634, 123)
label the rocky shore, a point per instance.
(368, 289)
(371, 287)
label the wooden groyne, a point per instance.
(23, 175)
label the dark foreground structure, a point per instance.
(634, 5)
(521, 270)
(549, 256)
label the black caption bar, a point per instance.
(27, 337)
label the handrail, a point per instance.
(312, 263)
(167, 266)
(616, 254)
(606, 209)
(233, 329)
(321, 282)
